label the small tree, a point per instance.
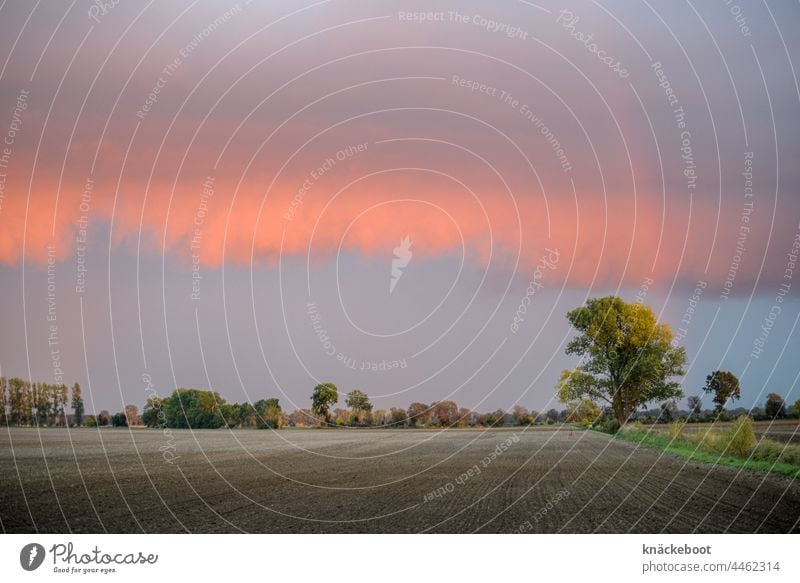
(77, 405)
(359, 403)
(521, 415)
(725, 386)
(398, 417)
(775, 406)
(445, 413)
(669, 411)
(695, 406)
(132, 414)
(151, 412)
(119, 420)
(417, 414)
(324, 395)
(269, 414)
(103, 418)
(628, 357)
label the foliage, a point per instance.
(77, 405)
(152, 412)
(724, 385)
(398, 416)
(444, 413)
(417, 414)
(193, 409)
(608, 426)
(775, 406)
(521, 415)
(582, 411)
(695, 406)
(131, 415)
(269, 414)
(324, 395)
(359, 403)
(740, 437)
(103, 418)
(628, 357)
(119, 420)
(669, 411)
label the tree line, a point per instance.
(628, 361)
(31, 404)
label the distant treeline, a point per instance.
(42, 404)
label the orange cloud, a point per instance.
(602, 241)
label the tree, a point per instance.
(444, 413)
(152, 412)
(629, 357)
(398, 416)
(192, 408)
(465, 417)
(669, 411)
(796, 408)
(268, 414)
(380, 417)
(6, 400)
(119, 420)
(77, 405)
(359, 403)
(725, 386)
(103, 418)
(521, 415)
(775, 406)
(132, 414)
(245, 415)
(582, 411)
(417, 414)
(41, 397)
(695, 406)
(20, 395)
(61, 393)
(551, 416)
(324, 395)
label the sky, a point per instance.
(400, 197)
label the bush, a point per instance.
(91, 422)
(772, 451)
(705, 440)
(740, 438)
(768, 450)
(609, 426)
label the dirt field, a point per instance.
(543, 480)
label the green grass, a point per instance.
(696, 449)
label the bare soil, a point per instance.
(544, 480)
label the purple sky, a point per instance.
(215, 194)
